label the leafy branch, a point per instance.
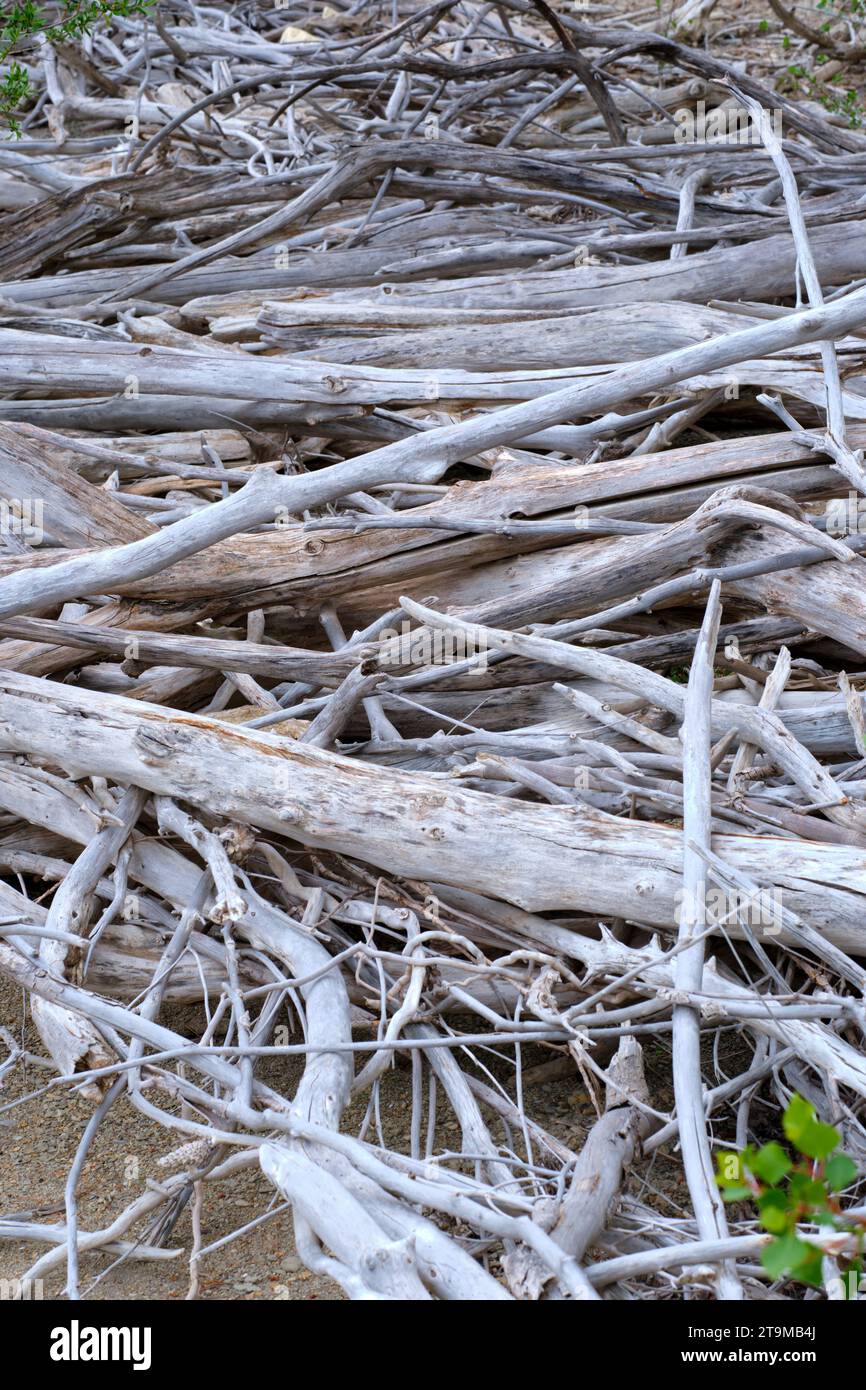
(789, 1192)
(68, 20)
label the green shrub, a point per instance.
(790, 1191)
(61, 22)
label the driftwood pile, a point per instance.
(432, 627)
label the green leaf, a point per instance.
(775, 1212)
(811, 1270)
(771, 1163)
(807, 1190)
(828, 1218)
(798, 1113)
(736, 1192)
(786, 1256)
(840, 1172)
(818, 1140)
(812, 1138)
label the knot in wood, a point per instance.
(155, 745)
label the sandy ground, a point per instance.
(39, 1138)
(39, 1144)
(35, 1154)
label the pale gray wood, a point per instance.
(689, 969)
